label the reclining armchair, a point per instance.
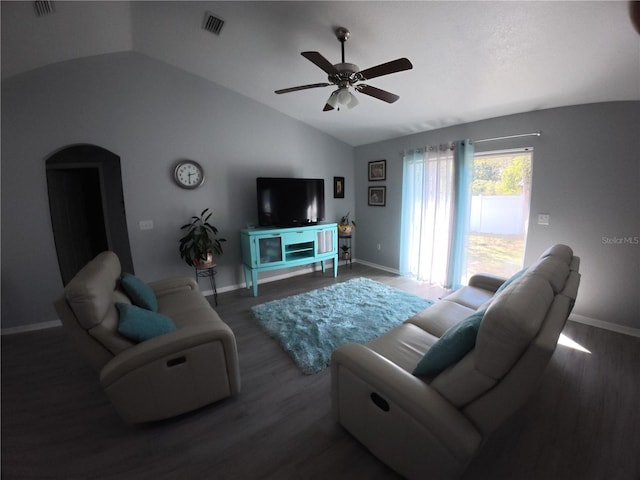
(194, 364)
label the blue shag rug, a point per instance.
(310, 326)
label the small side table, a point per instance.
(210, 271)
(345, 240)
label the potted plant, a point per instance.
(200, 243)
(345, 226)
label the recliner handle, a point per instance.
(176, 361)
(380, 402)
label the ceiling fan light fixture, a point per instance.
(333, 99)
(345, 98)
(353, 101)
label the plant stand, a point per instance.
(345, 240)
(209, 271)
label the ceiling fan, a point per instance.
(347, 75)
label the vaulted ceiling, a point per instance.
(471, 60)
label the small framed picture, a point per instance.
(338, 187)
(377, 170)
(377, 196)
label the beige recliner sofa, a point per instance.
(431, 427)
(161, 377)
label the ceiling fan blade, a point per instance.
(327, 107)
(320, 61)
(377, 93)
(394, 66)
(303, 87)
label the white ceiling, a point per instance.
(472, 60)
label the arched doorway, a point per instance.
(87, 209)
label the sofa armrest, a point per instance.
(172, 285)
(171, 344)
(418, 399)
(486, 281)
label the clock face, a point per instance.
(189, 174)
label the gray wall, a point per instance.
(151, 115)
(586, 175)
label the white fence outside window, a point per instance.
(498, 214)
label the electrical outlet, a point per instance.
(146, 224)
(543, 219)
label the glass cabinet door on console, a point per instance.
(270, 250)
(325, 241)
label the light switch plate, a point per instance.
(543, 219)
(146, 224)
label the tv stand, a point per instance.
(270, 248)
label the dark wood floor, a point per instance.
(583, 422)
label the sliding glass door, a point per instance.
(500, 198)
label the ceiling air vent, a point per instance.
(43, 8)
(212, 23)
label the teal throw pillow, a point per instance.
(138, 324)
(139, 292)
(456, 342)
(510, 280)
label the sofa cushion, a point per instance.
(106, 332)
(139, 292)
(451, 347)
(560, 251)
(110, 338)
(462, 382)
(553, 269)
(470, 297)
(90, 292)
(139, 324)
(187, 308)
(403, 345)
(511, 322)
(510, 280)
(440, 317)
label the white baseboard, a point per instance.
(31, 327)
(593, 322)
(379, 267)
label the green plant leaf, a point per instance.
(200, 237)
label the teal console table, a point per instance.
(269, 248)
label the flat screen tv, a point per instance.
(290, 202)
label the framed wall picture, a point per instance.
(338, 187)
(377, 196)
(377, 170)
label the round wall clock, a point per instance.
(188, 174)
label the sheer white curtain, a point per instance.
(427, 202)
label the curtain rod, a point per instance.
(534, 134)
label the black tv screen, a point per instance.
(289, 202)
